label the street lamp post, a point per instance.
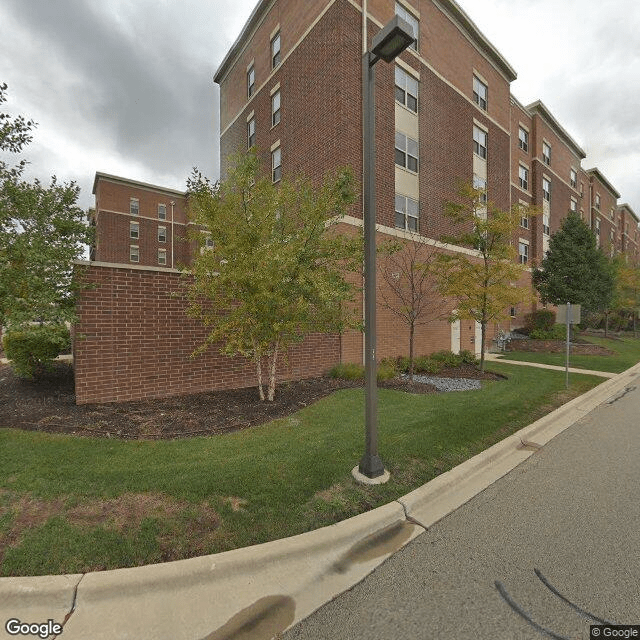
(387, 44)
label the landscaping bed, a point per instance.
(558, 346)
(48, 404)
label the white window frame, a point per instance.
(162, 211)
(276, 50)
(598, 202)
(134, 230)
(162, 234)
(162, 257)
(478, 146)
(275, 108)
(523, 180)
(403, 210)
(573, 206)
(546, 153)
(134, 253)
(573, 178)
(134, 206)
(523, 142)
(546, 224)
(523, 256)
(546, 189)
(407, 84)
(251, 81)
(251, 133)
(480, 184)
(413, 20)
(480, 93)
(410, 150)
(276, 164)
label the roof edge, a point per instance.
(541, 109)
(138, 183)
(598, 174)
(629, 209)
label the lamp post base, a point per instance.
(360, 478)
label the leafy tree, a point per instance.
(484, 285)
(575, 270)
(275, 271)
(411, 291)
(628, 287)
(42, 231)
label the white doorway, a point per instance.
(455, 337)
(478, 339)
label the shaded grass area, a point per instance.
(627, 353)
(78, 504)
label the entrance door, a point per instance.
(455, 336)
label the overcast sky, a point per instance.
(126, 86)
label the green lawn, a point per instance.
(70, 504)
(627, 352)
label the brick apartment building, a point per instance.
(291, 86)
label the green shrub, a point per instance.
(447, 358)
(387, 370)
(467, 357)
(424, 364)
(402, 364)
(32, 350)
(348, 371)
(540, 320)
(557, 332)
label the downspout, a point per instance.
(172, 204)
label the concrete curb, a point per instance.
(261, 590)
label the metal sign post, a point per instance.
(568, 314)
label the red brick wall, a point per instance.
(134, 341)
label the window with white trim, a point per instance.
(162, 256)
(546, 229)
(523, 252)
(480, 184)
(275, 108)
(276, 164)
(574, 205)
(598, 201)
(407, 16)
(573, 178)
(523, 175)
(546, 153)
(523, 139)
(546, 189)
(276, 57)
(134, 253)
(251, 81)
(162, 234)
(251, 133)
(480, 93)
(134, 230)
(406, 89)
(524, 217)
(407, 213)
(406, 152)
(134, 206)
(480, 142)
(162, 212)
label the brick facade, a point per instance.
(134, 341)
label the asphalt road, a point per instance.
(555, 540)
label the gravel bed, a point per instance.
(448, 384)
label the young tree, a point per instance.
(628, 286)
(411, 290)
(575, 270)
(275, 271)
(42, 231)
(484, 285)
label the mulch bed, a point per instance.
(48, 404)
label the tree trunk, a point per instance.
(483, 332)
(411, 367)
(257, 355)
(635, 333)
(606, 324)
(272, 373)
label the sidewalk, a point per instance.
(496, 357)
(257, 592)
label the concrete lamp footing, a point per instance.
(362, 479)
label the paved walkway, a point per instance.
(544, 552)
(496, 357)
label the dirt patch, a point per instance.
(48, 404)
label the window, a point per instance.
(162, 256)
(275, 108)
(524, 219)
(162, 212)
(208, 243)
(523, 252)
(134, 230)
(275, 51)
(480, 93)
(481, 185)
(406, 152)
(276, 164)
(523, 139)
(546, 153)
(251, 81)
(412, 20)
(546, 189)
(597, 229)
(480, 142)
(251, 133)
(574, 205)
(406, 213)
(162, 234)
(546, 230)
(598, 201)
(134, 206)
(512, 313)
(573, 178)
(406, 89)
(581, 189)
(523, 173)
(134, 253)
